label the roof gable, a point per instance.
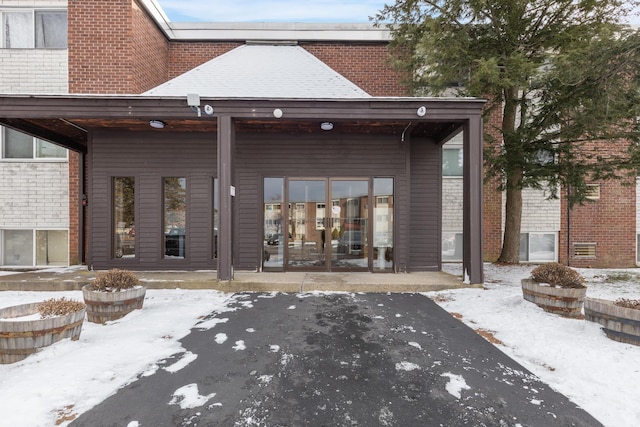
(262, 71)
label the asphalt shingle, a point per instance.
(262, 71)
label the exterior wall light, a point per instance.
(326, 126)
(157, 124)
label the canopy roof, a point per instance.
(262, 71)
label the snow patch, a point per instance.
(188, 397)
(187, 358)
(406, 366)
(455, 385)
(220, 338)
(239, 346)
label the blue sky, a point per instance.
(351, 11)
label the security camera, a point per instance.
(193, 100)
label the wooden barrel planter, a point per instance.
(20, 338)
(107, 306)
(566, 302)
(619, 323)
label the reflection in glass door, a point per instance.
(306, 224)
(273, 244)
(349, 224)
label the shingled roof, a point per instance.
(262, 71)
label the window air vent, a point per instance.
(584, 250)
(593, 191)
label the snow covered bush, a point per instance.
(556, 274)
(114, 280)
(58, 307)
(628, 303)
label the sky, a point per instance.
(573, 356)
(334, 11)
(310, 11)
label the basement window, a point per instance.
(584, 250)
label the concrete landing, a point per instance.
(76, 278)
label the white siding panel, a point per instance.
(34, 194)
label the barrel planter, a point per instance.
(566, 302)
(107, 306)
(20, 338)
(619, 323)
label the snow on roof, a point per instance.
(262, 71)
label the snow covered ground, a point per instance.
(573, 356)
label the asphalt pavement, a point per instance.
(336, 359)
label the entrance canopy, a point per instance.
(70, 119)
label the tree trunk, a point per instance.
(513, 210)
(513, 219)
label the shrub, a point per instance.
(628, 303)
(114, 280)
(58, 307)
(557, 275)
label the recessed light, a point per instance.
(157, 124)
(326, 126)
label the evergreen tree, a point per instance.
(563, 74)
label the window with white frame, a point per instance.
(538, 247)
(17, 145)
(33, 248)
(452, 162)
(33, 28)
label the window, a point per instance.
(124, 214)
(451, 246)
(452, 162)
(17, 145)
(538, 247)
(28, 29)
(29, 248)
(383, 224)
(175, 217)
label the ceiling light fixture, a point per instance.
(157, 124)
(326, 126)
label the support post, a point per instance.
(226, 142)
(472, 201)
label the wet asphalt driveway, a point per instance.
(336, 360)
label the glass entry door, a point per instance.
(328, 224)
(349, 225)
(306, 224)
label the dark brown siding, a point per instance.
(149, 157)
(426, 197)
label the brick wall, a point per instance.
(492, 199)
(21, 71)
(150, 52)
(366, 65)
(34, 194)
(184, 56)
(610, 222)
(74, 208)
(123, 54)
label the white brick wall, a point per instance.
(539, 214)
(34, 71)
(34, 194)
(452, 204)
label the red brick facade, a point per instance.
(609, 222)
(123, 51)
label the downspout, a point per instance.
(568, 226)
